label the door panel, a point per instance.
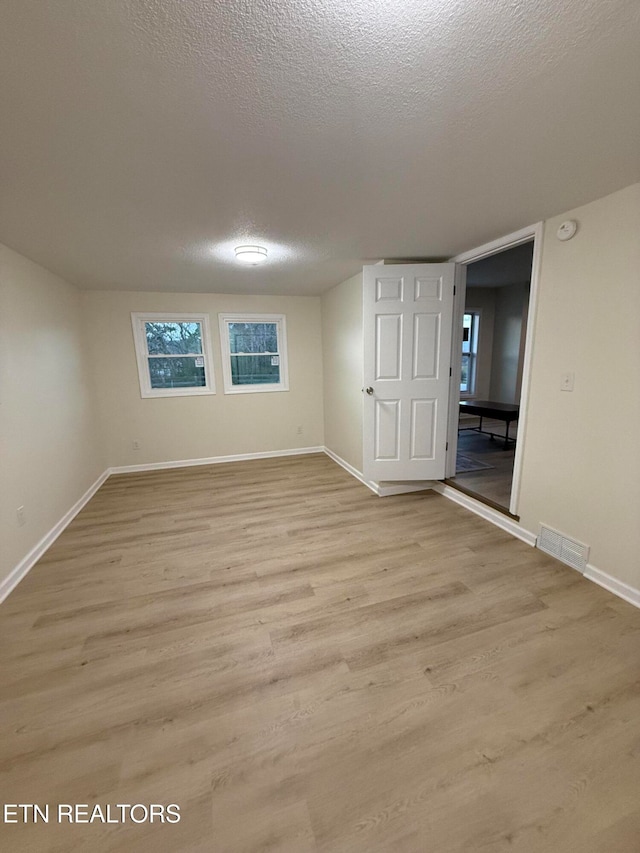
(426, 345)
(387, 435)
(407, 332)
(428, 288)
(388, 346)
(388, 289)
(423, 429)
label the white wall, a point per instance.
(483, 299)
(50, 454)
(183, 428)
(343, 358)
(510, 304)
(581, 465)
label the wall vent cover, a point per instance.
(574, 554)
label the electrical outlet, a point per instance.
(22, 518)
(135, 444)
(299, 430)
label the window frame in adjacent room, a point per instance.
(225, 319)
(138, 321)
(472, 354)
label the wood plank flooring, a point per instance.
(495, 482)
(302, 666)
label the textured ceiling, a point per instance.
(143, 139)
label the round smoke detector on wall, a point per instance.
(567, 230)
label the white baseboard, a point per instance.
(8, 584)
(389, 487)
(498, 518)
(353, 471)
(212, 460)
(622, 590)
(383, 490)
(617, 587)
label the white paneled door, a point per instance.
(408, 318)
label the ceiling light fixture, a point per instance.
(251, 254)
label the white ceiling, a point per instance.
(143, 139)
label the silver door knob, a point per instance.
(369, 390)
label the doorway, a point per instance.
(493, 328)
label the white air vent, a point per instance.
(573, 553)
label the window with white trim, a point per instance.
(174, 354)
(470, 329)
(254, 353)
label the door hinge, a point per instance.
(454, 290)
(451, 371)
(446, 446)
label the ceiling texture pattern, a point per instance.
(143, 139)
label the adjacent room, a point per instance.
(494, 323)
(318, 392)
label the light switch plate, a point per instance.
(566, 381)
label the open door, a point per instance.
(408, 319)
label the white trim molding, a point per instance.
(143, 357)
(619, 588)
(509, 525)
(11, 581)
(533, 232)
(351, 470)
(280, 322)
(501, 520)
(8, 584)
(213, 460)
(383, 489)
(499, 245)
(386, 488)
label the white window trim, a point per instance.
(280, 320)
(465, 395)
(138, 319)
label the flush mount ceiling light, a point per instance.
(251, 254)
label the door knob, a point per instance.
(369, 390)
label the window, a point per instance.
(470, 325)
(254, 353)
(174, 354)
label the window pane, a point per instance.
(176, 372)
(255, 369)
(253, 337)
(467, 323)
(464, 379)
(173, 338)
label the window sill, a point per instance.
(177, 392)
(255, 389)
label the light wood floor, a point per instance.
(303, 666)
(495, 482)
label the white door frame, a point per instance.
(534, 232)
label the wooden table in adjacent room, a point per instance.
(488, 409)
